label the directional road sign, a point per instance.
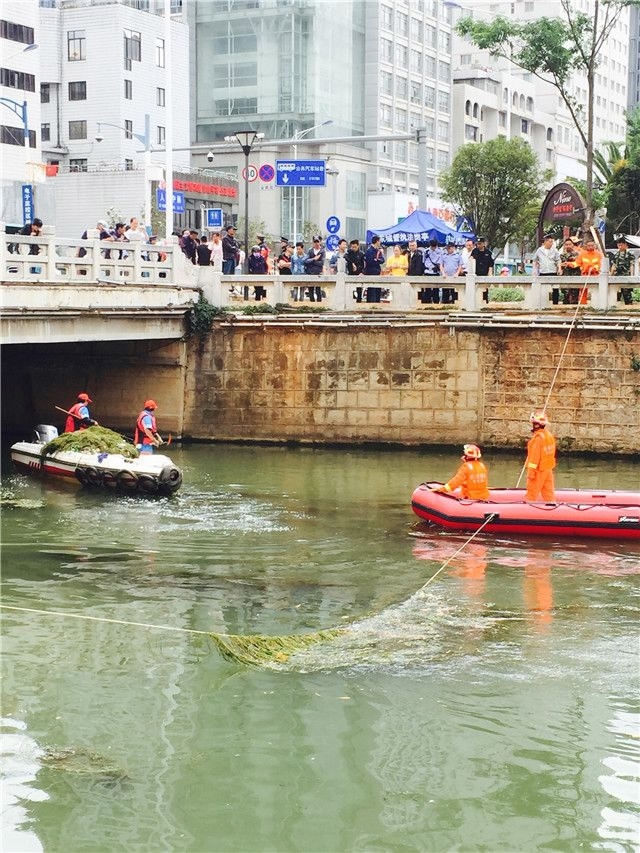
(214, 217)
(300, 173)
(178, 200)
(332, 242)
(333, 225)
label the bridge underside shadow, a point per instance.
(118, 375)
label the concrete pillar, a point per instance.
(470, 296)
(602, 297)
(340, 293)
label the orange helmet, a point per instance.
(84, 398)
(471, 451)
(539, 419)
(150, 404)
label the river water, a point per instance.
(495, 709)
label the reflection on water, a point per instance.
(491, 709)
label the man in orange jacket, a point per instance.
(541, 460)
(471, 476)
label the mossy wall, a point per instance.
(411, 384)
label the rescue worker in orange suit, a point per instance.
(541, 460)
(146, 436)
(79, 417)
(471, 476)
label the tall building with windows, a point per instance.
(19, 109)
(634, 58)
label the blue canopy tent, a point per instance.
(421, 227)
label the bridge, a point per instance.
(60, 291)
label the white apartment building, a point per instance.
(105, 91)
(20, 157)
(526, 106)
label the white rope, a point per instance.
(455, 554)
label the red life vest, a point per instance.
(73, 423)
(140, 436)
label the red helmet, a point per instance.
(150, 404)
(539, 419)
(471, 451)
(84, 398)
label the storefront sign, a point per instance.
(563, 203)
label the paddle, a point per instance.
(77, 417)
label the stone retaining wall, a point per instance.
(411, 384)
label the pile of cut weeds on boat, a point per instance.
(95, 439)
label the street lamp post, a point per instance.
(300, 134)
(245, 139)
(144, 139)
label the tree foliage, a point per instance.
(554, 50)
(494, 183)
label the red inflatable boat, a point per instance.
(576, 513)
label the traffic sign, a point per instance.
(266, 173)
(213, 217)
(333, 225)
(178, 200)
(300, 173)
(332, 242)
(251, 174)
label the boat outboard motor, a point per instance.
(45, 433)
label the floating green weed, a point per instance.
(260, 649)
(95, 439)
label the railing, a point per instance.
(468, 293)
(51, 260)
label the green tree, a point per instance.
(554, 50)
(493, 183)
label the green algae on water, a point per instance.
(261, 649)
(82, 762)
(95, 439)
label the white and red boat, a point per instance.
(575, 512)
(149, 474)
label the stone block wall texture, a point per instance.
(411, 384)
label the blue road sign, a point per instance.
(27, 203)
(333, 225)
(266, 173)
(300, 173)
(178, 200)
(213, 217)
(332, 242)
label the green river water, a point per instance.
(495, 710)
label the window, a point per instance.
(128, 129)
(529, 105)
(445, 41)
(232, 74)
(401, 119)
(239, 37)
(128, 89)
(385, 115)
(160, 53)
(429, 125)
(524, 126)
(236, 106)
(356, 190)
(386, 17)
(416, 61)
(502, 119)
(415, 121)
(76, 45)
(429, 96)
(356, 228)
(470, 133)
(78, 91)
(128, 165)
(402, 56)
(16, 32)
(475, 110)
(401, 152)
(386, 50)
(45, 132)
(132, 48)
(431, 36)
(401, 87)
(17, 80)
(78, 164)
(443, 101)
(549, 134)
(430, 66)
(467, 108)
(413, 154)
(444, 71)
(162, 135)
(78, 129)
(160, 97)
(402, 24)
(415, 92)
(45, 93)
(15, 136)
(443, 160)
(386, 83)
(443, 130)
